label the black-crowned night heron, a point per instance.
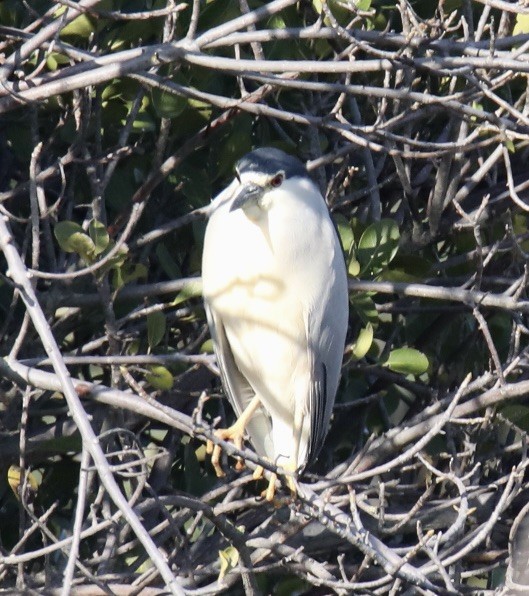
(275, 292)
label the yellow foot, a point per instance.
(258, 473)
(290, 468)
(234, 433)
(270, 492)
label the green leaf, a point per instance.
(156, 324)
(398, 275)
(340, 11)
(72, 238)
(144, 121)
(139, 569)
(99, 235)
(363, 342)
(407, 361)
(54, 60)
(133, 272)
(354, 267)
(82, 26)
(65, 232)
(276, 22)
(364, 307)
(122, 272)
(377, 246)
(111, 91)
(191, 290)
(166, 104)
(160, 378)
(363, 4)
(120, 257)
(116, 263)
(206, 347)
(344, 231)
(200, 106)
(358, 227)
(229, 558)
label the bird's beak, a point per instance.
(248, 193)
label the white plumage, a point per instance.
(275, 291)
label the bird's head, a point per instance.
(261, 172)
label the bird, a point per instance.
(275, 293)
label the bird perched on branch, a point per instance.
(275, 293)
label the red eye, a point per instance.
(277, 180)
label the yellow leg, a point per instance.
(270, 492)
(290, 467)
(234, 433)
(258, 473)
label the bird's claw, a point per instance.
(270, 491)
(235, 434)
(290, 468)
(258, 473)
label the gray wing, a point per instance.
(326, 331)
(320, 412)
(237, 388)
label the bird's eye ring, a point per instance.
(277, 180)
